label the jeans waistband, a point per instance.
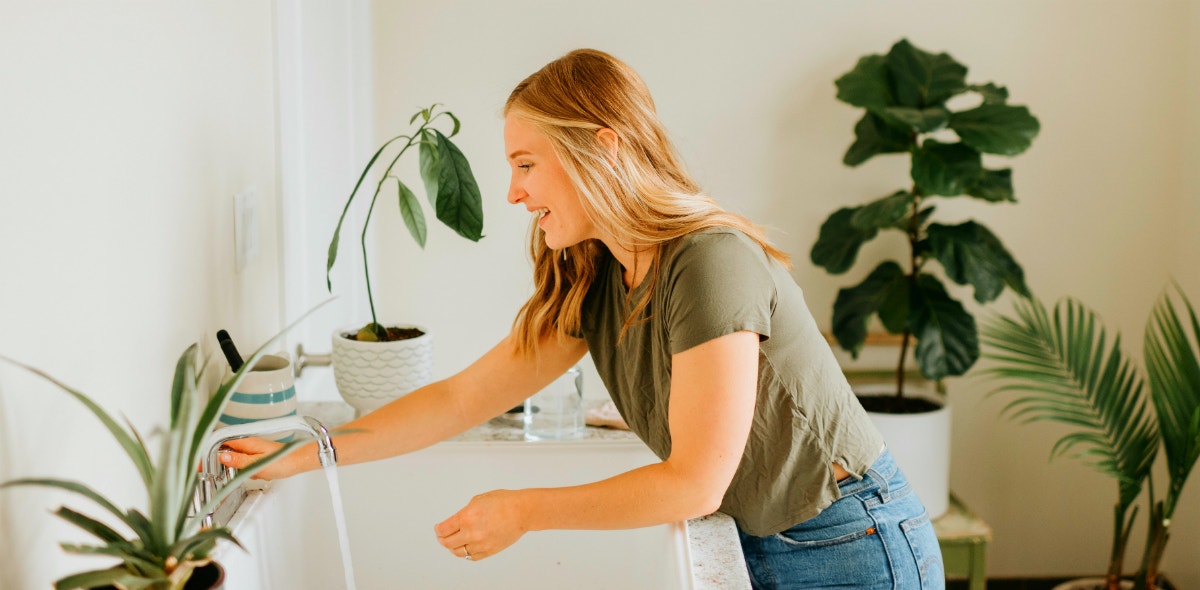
(877, 476)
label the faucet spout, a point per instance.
(214, 475)
(303, 424)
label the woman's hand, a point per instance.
(487, 525)
(240, 453)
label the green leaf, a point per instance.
(874, 136)
(886, 212)
(994, 186)
(996, 128)
(867, 84)
(972, 255)
(947, 344)
(991, 93)
(188, 548)
(855, 305)
(923, 79)
(1173, 368)
(91, 579)
(428, 154)
(945, 169)
(144, 563)
(70, 486)
(1064, 371)
(459, 204)
(925, 120)
(410, 210)
(838, 243)
(89, 524)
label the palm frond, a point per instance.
(1173, 368)
(1065, 371)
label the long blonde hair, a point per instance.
(644, 199)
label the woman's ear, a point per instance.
(609, 138)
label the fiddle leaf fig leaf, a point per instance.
(883, 213)
(996, 128)
(920, 120)
(991, 93)
(947, 341)
(867, 85)
(946, 169)
(839, 241)
(994, 186)
(924, 79)
(972, 255)
(459, 204)
(410, 210)
(884, 288)
(873, 135)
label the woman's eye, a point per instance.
(525, 166)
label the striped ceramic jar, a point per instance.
(266, 391)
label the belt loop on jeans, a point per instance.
(884, 493)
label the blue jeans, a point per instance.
(876, 536)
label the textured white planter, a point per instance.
(371, 374)
(921, 445)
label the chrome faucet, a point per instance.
(214, 475)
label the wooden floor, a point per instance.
(1024, 584)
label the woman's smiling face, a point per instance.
(540, 182)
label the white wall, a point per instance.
(127, 129)
(747, 90)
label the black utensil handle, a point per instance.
(231, 353)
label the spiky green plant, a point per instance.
(1065, 371)
(449, 186)
(163, 545)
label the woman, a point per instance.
(701, 337)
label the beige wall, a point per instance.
(1104, 212)
(127, 129)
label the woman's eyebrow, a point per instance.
(519, 153)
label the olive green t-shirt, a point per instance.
(717, 282)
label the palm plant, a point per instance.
(164, 546)
(1065, 371)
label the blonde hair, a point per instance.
(644, 199)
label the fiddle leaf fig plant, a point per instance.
(450, 188)
(904, 95)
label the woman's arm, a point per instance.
(496, 382)
(713, 392)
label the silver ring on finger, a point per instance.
(467, 554)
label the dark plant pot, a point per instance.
(209, 577)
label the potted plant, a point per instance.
(374, 363)
(904, 94)
(1065, 371)
(163, 548)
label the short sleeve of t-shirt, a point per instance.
(717, 283)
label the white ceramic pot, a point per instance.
(920, 444)
(371, 374)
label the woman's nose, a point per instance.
(515, 192)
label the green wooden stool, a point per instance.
(964, 538)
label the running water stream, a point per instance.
(339, 517)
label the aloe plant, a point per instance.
(905, 95)
(1065, 371)
(163, 545)
(449, 186)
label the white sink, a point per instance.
(392, 506)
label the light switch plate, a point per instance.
(245, 224)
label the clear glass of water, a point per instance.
(556, 412)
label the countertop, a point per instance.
(717, 562)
